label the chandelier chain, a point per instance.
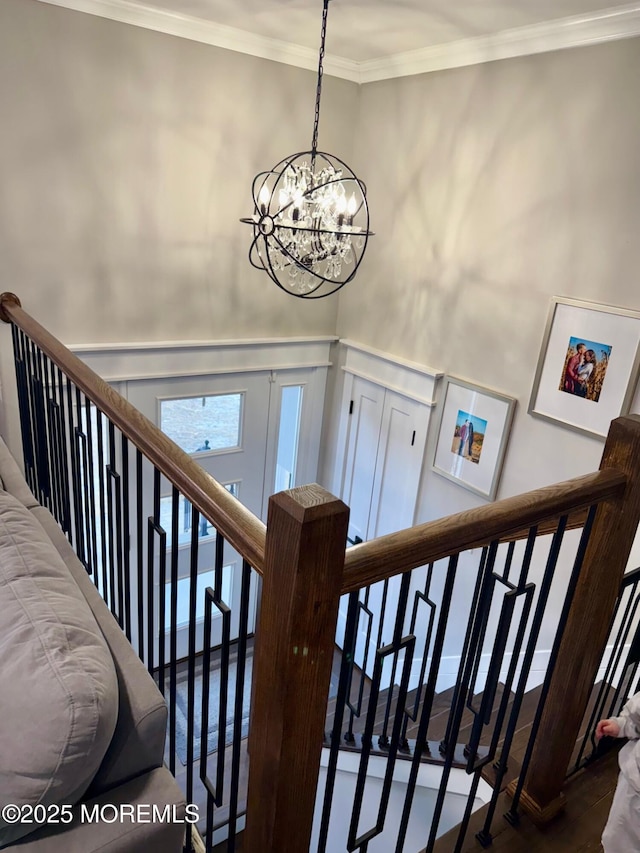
(323, 36)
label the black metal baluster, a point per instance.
(35, 420)
(28, 372)
(466, 676)
(24, 405)
(344, 682)
(53, 418)
(42, 443)
(80, 488)
(476, 628)
(224, 664)
(354, 843)
(214, 598)
(153, 528)
(512, 814)
(119, 568)
(485, 610)
(173, 627)
(465, 647)
(140, 554)
(430, 690)
(214, 792)
(103, 515)
(412, 714)
(55, 443)
(75, 491)
(162, 598)
(92, 538)
(355, 711)
(484, 835)
(403, 598)
(64, 461)
(482, 717)
(193, 601)
(112, 481)
(126, 537)
(527, 590)
(238, 707)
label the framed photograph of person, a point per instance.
(588, 365)
(473, 429)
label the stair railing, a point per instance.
(591, 503)
(305, 571)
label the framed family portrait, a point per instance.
(473, 430)
(588, 365)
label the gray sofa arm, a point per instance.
(155, 788)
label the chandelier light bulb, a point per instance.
(264, 198)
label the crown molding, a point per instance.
(207, 32)
(576, 31)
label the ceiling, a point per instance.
(382, 37)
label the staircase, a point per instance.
(596, 792)
(299, 558)
(439, 722)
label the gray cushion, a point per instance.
(139, 739)
(58, 687)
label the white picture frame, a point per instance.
(472, 434)
(612, 336)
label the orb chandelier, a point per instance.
(311, 219)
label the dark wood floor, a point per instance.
(576, 830)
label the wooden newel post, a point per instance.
(585, 635)
(304, 562)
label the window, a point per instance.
(288, 437)
(201, 424)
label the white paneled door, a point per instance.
(386, 437)
(385, 447)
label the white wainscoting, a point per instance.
(119, 362)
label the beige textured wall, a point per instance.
(493, 188)
(126, 160)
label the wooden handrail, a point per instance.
(236, 523)
(400, 552)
